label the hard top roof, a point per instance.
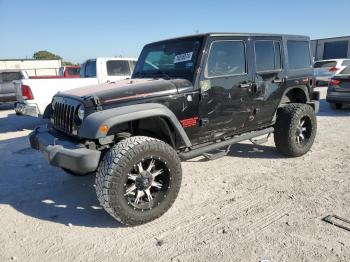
(234, 34)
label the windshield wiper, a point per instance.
(163, 74)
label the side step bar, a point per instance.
(202, 150)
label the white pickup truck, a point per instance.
(34, 95)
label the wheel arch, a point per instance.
(295, 94)
(127, 115)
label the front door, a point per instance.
(225, 87)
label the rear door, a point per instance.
(225, 86)
(269, 78)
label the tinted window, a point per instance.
(346, 71)
(172, 58)
(264, 55)
(267, 55)
(226, 58)
(10, 76)
(337, 49)
(298, 54)
(90, 69)
(118, 68)
(325, 64)
(73, 71)
(346, 63)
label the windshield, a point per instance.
(174, 58)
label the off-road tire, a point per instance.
(336, 106)
(288, 119)
(114, 169)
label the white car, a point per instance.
(324, 70)
(34, 95)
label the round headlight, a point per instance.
(81, 112)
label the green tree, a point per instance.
(43, 54)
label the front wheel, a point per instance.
(295, 129)
(138, 180)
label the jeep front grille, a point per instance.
(63, 117)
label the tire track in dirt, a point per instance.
(195, 225)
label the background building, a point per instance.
(330, 48)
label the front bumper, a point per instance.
(63, 153)
(338, 97)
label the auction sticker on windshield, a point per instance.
(183, 57)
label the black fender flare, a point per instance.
(302, 88)
(90, 127)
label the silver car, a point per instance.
(7, 88)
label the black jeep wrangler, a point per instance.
(190, 96)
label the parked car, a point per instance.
(187, 97)
(34, 95)
(338, 92)
(324, 70)
(7, 87)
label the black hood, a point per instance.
(130, 89)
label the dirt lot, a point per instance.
(249, 206)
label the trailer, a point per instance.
(331, 48)
(33, 67)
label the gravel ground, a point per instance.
(248, 206)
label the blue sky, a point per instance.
(77, 30)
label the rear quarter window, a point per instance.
(298, 54)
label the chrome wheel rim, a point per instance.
(303, 131)
(147, 183)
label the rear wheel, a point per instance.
(138, 180)
(336, 106)
(295, 129)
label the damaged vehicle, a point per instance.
(190, 96)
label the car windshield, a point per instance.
(173, 58)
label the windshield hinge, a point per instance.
(96, 101)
